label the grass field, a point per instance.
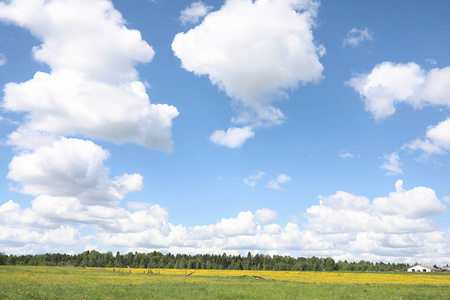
(77, 283)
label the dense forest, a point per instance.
(201, 261)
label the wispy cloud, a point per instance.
(2, 59)
(275, 184)
(392, 164)
(356, 36)
(253, 179)
(344, 154)
(431, 61)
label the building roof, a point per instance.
(423, 266)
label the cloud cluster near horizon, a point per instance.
(253, 62)
(339, 226)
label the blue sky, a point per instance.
(282, 127)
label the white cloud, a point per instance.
(266, 215)
(357, 214)
(418, 202)
(253, 179)
(46, 241)
(194, 12)
(65, 103)
(12, 214)
(71, 168)
(345, 154)
(356, 36)
(425, 145)
(431, 61)
(234, 137)
(2, 59)
(392, 228)
(437, 139)
(275, 184)
(388, 84)
(282, 178)
(392, 164)
(436, 89)
(84, 36)
(254, 62)
(93, 86)
(446, 199)
(244, 224)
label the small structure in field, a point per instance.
(422, 268)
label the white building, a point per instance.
(422, 268)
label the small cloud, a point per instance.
(446, 199)
(252, 179)
(344, 154)
(392, 164)
(194, 13)
(389, 84)
(234, 137)
(266, 215)
(147, 84)
(356, 36)
(275, 184)
(2, 59)
(437, 140)
(431, 61)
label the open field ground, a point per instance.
(77, 283)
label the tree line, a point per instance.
(200, 261)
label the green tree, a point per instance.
(3, 258)
(11, 260)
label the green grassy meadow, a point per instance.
(17, 282)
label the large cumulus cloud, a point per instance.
(93, 87)
(254, 51)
